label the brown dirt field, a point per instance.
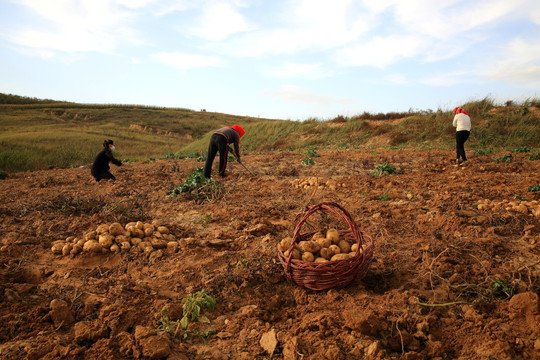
(428, 293)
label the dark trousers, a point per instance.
(461, 137)
(217, 143)
(103, 175)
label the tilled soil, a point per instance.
(450, 279)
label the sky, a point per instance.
(282, 59)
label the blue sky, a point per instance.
(278, 59)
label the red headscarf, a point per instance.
(239, 130)
(459, 110)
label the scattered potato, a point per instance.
(139, 225)
(125, 245)
(163, 230)
(57, 247)
(158, 243)
(354, 247)
(115, 248)
(76, 249)
(106, 240)
(320, 260)
(116, 229)
(66, 250)
(103, 228)
(92, 246)
(324, 242)
(317, 235)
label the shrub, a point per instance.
(382, 169)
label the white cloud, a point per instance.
(450, 78)
(518, 62)
(380, 51)
(294, 94)
(187, 61)
(74, 26)
(220, 20)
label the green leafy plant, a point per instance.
(3, 175)
(199, 187)
(308, 161)
(483, 151)
(534, 188)
(201, 158)
(501, 289)
(504, 158)
(382, 169)
(522, 149)
(311, 152)
(193, 305)
(383, 197)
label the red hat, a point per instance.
(239, 130)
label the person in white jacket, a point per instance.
(462, 123)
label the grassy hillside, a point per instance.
(38, 134)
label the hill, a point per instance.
(40, 134)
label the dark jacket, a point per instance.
(101, 163)
(232, 138)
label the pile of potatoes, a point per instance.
(135, 237)
(321, 248)
(316, 183)
(523, 207)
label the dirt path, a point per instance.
(437, 288)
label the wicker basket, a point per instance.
(331, 274)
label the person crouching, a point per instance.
(100, 168)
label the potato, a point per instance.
(335, 249)
(344, 246)
(354, 247)
(170, 237)
(67, 249)
(103, 228)
(130, 224)
(163, 230)
(332, 235)
(76, 249)
(116, 229)
(120, 239)
(285, 244)
(172, 247)
(320, 260)
(309, 246)
(149, 231)
(137, 233)
(149, 226)
(308, 256)
(144, 244)
(139, 225)
(340, 257)
(156, 223)
(57, 248)
(115, 248)
(70, 239)
(324, 242)
(158, 243)
(125, 245)
(92, 246)
(135, 241)
(106, 240)
(90, 235)
(295, 254)
(317, 235)
(157, 235)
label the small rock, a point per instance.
(269, 341)
(373, 349)
(90, 331)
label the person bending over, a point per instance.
(220, 141)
